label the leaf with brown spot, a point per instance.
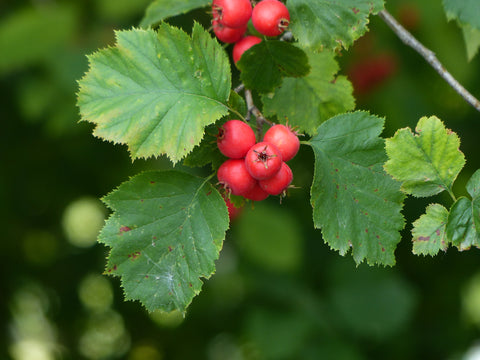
(428, 233)
(350, 143)
(164, 273)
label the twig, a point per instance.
(253, 110)
(239, 88)
(429, 56)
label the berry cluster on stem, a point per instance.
(231, 17)
(256, 170)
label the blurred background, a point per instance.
(279, 292)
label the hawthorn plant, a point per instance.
(163, 91)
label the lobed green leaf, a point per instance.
(428, 231)
(467, 15)
(355, 203)
(159, 10)
(156, 92)
(310, 100)
(461, 226)
(472, 40)
(465, 11)
(165, 233)
(473, 188)
(264, 65)
(427, 162)
(330, 24)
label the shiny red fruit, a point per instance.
(284, 139)
(235, 138)
(234, 177)
(256, 194)
(232, 13)
(227, 34)
(279, 182)
(270, 17)
(243, 45)
(263, 160)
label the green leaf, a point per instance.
(355, 203)
(428, 231)
(472, 40)
(473, 188)
(427, 162)
(467, 15)
(464, 220)
(264, 65)
(465, 11)
(156, 92)
(310, 100)
(330, 24)
(166, 231)
(473, 185)
(159, 10)
(207, 151)
(461, 226)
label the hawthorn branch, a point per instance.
(408, 39)
(239, 88)
(253, 110)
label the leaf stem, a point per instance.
(237, 113)
(452, 195)
(408, 39)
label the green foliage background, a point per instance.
(279, 291)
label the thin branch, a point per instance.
(429, 56)
(253, 110)
(239, 88)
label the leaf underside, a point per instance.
(355, 203)
(166, 231)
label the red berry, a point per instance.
(235, 138)
(226, 34)
(284, 139)
(232, 13)
(279, 182)
(263, 160)
(233, 175)
(270, 17)
(233, 211)
(256, 194)
(243, 45)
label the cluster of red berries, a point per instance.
(256, 170)
(230, 19)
